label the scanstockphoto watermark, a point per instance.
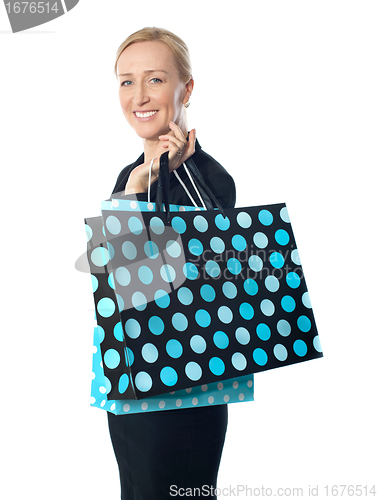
(234, 491)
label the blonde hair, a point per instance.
(178, 47)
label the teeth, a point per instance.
(145, 115)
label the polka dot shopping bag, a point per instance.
(186, 297)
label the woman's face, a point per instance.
(150, 90)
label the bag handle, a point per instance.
(162, 196)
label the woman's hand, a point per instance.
(174, 142)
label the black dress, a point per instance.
(163, 454)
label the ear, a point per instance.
(189, 89)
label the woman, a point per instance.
(165, 453)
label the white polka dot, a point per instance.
(178, 402)
(195, 401)
(144, 406)
(126, 408)
(250, 383)
(188, 390)
(133, 204)
(94, 349)
(102, 389)
(93, 375)
(226, 398)
(92, 400)
(235, 385)
(150, 206)
(112, 407)
(162, 404)
(204, 388)
(210, 399)
(241, 396)
(220, 386)
(115, 203)
(172, 392)
(182, 209)
(103, 403)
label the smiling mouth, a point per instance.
(145, 114)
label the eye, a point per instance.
(126, 83)
(155, 80)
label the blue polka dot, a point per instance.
(100, 256)
(306, 300)
(195, 246)
(151, 249)
(202, 318)
(129, 250)
(234, 266)
(123, 383)
(222, 223)
(293, 280)
(255, 263)
(168, 273)
(173, 248)
(143, 381)
(112, 359)
(277, 260)
(162, 299)
(295, 257)
(304, 324)
(118, 332)
(94, 283)
(132, 328)
(246, 311)
(260, 240)
(190, 271)
(217, 366)
(168, 376)
(225, 314)
(89, 232)
(178, 224)
(113, 224)
(288, 303)
(244, 220)
(220, 339)
(265, 217)
(110, 250)
(179, 322)
(263, 331)
(107, 385)
(123, 276)
(283, 328)
(238, 242)
(271, 283)
(250, 286)
(242, 335)
(229, 290)
(300, 348)
(280, 352)
(267, 307)
(282, 237)
(174, 348)
(120, 302)
(139, 301)
(207, 293)
(150, 353)
(111, 280)
(284, 214)
(105, 307)
(185, 296)
(260, 357)
(239, 361)
(212, 268)
(145, 275)
(316, 343)
(198, 344)
(217, 245)
(135, 225)
(200, 223)
(129, 356)
(193, 371)
(101, 334)
(156, 325)
(157, 225)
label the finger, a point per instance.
(172, 141)
(177, 131)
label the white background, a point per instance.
(286, 99)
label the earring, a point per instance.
(187, 104)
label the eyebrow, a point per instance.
(147, 71)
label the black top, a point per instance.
(216, 177)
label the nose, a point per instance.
(141, 94)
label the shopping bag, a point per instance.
(195, 297)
